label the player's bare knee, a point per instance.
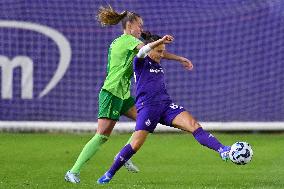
(104, 131)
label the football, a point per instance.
(241, 153)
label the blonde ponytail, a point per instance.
(108, 16)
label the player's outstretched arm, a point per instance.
(184, 61)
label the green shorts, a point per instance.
(111, 106)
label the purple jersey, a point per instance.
(150, 83)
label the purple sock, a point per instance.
(124, 155)
(207, 139)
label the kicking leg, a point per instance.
(186, 122)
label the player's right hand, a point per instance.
(168, 39)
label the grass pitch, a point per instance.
(166, 161)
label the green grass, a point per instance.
(166, 161)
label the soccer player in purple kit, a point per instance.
(155, 106)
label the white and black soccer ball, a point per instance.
(241, 153)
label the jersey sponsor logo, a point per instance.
(148, 122)
(26, 64)
(156, 70)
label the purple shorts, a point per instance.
(149, 116)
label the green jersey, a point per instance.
(119, 68)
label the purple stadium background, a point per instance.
(236, 46)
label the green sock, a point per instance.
(89, 151)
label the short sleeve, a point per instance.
(133, 42)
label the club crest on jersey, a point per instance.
(115, 112)
(156, 70)
(148, 122)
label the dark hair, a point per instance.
(108, 16)
(149, 38)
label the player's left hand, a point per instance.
(186, 63)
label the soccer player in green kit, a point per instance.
(114, 97)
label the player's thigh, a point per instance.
(131, 113)
(185, 121)
(129, 109)
(138, 139)
(105, 126)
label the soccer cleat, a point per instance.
(131, 167)
(106, 178)
(224, 153)
(72, 177)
